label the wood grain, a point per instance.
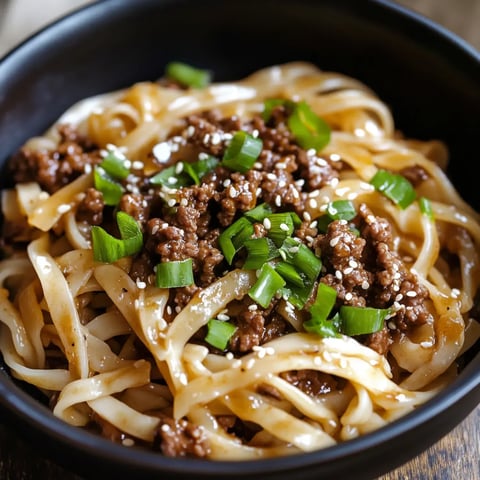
(456, 456)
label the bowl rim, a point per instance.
(30, 411)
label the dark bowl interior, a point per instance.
(425, 74)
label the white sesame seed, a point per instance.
(190, 131)
(64, 208)
(183, 202)
(348, 296)
(281, 165)
(137, 165)
(348, 271)
(252, 307)
(353, 263)
(169, 309)
(411, 294)
(312, 203)
(306, 216)
(202, 156)
(162, 151)
(311, 152)
(171, 202)
(250, 363)
(216, 139)
(223, 317)
(267, 223)
(334, 157)
(257, 166)
(87, 168)
(271, 176)
(179, 168)
(232, 193)
(365, 285)
(141, 284)
(338, 274)
(278, 200)
(284, 227)
(206, 139)
(229, 356)
(399, 297)
(391, 325)
(227, 182)
(334, 241)
(255, 133)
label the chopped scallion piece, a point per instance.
(309, 129)
(107, 248)
(115, 166)
(219, 333)
(266, 286)
(111, 190)
(290, 274)
(341, 210)
(362, 320)
(395, 187)
(302, 258)
(260, 251)
(242, 152)
(174, 274)
(232, 239)
(320, 310)
(270, 104)
(188, 76)
(197, 170)
(259, 213)
(426, 207)
(280, 226)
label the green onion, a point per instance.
(309, 129)
(341, 210)
(174, 274)
(320, 310)
(290, 274)
(426, 207)
(115, 166)
(197, 170)
(187, 75)
(301, 257)
(219, 333)
(279, 226)
(111, 190)
(266, 286)
(260, 251)
(107, 248)
(189, 174)
(232, 239)
(395, 187)
(362, 320)
(242, 152)
(270, 104)
(259, 213)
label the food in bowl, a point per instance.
(235, 270)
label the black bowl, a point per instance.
(425, 74)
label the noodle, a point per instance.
(124, 348)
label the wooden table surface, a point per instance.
(454, 457)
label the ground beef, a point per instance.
(181, 439)
(312, 382)
(53, 169)
(90, 209)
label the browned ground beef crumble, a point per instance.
(371, 272)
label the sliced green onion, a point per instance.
(298, 296)
(197, 170)
(266, 286)
(111, 190)
(309, 129)
(115, 166)
(174, 274)
(169, 177)
(395, 187)
(426, 207)
(270, 104)
(320, 310)
(260, 251)
(232, 238)
(242, 152)
(187, 75)
(219, 333)
(259, 213)
(290, 274)
(279, 226)
(362, 320)
(302, 258)
(341, 210)
(107, 248)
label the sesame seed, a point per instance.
(227, 182)
(353, 263)
(365, 285)
(223, 317)
(258, 191)
(162, 151)
(232, 193)
(335, 157)
(281, 165)
(284, 227)
(271, 176)
(257, 166)
(411, 293)
(87, 168)
(391, 325)
(190, 131)
(206, 139)
(250, 363)
(348, 296)
(202, 156)
(267, 223)
(183, 202)
(306, 216)
(64, 208)
(215, 138)
(141, 284)
(171, 202)
(321, 162)
(179, 168)
(311, 152)
(313, 203)
(334, 241)
(137, 165)
(169, 310)
(229, 356)
(252, 307)
(348, 270)
(255, 133)
(278, 200)
(338, 274)
(399, 297)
